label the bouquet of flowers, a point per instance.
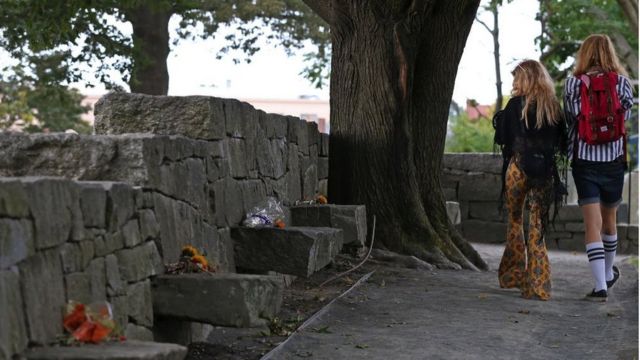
(91, 323)
(191, 261)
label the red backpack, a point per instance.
(601, 118)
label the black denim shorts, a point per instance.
(598, 182)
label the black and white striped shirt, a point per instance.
(603, 152)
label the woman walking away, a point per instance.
(597, 99)
(531, 134)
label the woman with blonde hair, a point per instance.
(598, 152)
(532, 135)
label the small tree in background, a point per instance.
(494, 30)
(35, 100)
(469, 135)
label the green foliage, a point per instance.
(469, 136)
(96, 28)
(35, 98)
(567, 23)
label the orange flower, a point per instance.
(189, 251)
(75, 316)
(279, 224)
(100, 332)
(201, 261)
(321, 199)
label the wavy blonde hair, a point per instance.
(597, 52)
(531, 80)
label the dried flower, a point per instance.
(201, 261)
(321, 199)
(189, 251)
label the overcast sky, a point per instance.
(271, 74)
(194, 70)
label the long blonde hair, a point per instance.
(597, 51)
(531, 80)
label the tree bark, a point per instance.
(630, 10)
(393, 69)
(149, 73)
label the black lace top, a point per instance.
(547, 139)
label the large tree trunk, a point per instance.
(393, 70)
(149, 74)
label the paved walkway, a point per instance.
(411, 314)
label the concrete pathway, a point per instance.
(412, 314)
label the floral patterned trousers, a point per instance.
(525, 265)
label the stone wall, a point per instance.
(63, 240)
(474, 180)
(94, 217)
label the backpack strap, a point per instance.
(586, 80)
(575, 146)
(624, 154)
(607, 88)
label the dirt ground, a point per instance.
(302, 299)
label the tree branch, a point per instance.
(483, 24)
(630, 10)
(322, 8)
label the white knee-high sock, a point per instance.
(595, 253)
(610, 243)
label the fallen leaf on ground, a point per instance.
(362, 346)
(526, 312)
(322, 330)
(482, 296)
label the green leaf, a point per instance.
(322, 330)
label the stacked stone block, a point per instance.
(474, 181)
(202, 162)
(62, 240)
(351, 219)
(238, 300)
(299, 251)
(160, 173)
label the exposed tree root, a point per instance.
(408, 261)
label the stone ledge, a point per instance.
(352, 219)
(128, 350)
(473, 162)
(218, 299)
(198, 117)
(487, 232)
(297, 251)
